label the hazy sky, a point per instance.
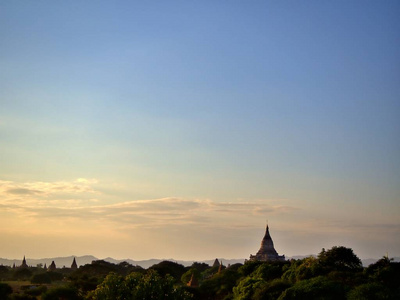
(175, 129)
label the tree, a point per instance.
(188, 275)
(246, 288)
(271, 290)
(22, 274)
(372, 291)
(113, 287)
(4, 272)
(249, 267)
(41, 278)
(264, 281)
(85, 283)
(386, 272)
(201, 267)
(64, 292)
(5, 290)
(269, 270)
(153, 286)
(35, 291)
(22, 297)
(305, 268)
(314, 288)
(339, 259)
(138, 286)
(55, 276)
(169, 267)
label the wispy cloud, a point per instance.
(48, 200)
(39, 193)
(78, 209)
(80, 185)
(77, 201)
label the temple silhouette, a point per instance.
(52, 267)
(267, 251)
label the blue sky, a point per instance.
(286, 111)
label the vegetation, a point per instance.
(336, 273)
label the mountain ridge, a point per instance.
(66, 261)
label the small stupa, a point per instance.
(267, 251)
(52, 267)
(220, 268)
(24, 264)
(193, 282)
(216, 263)
(74, 266)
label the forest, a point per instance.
(336, 273)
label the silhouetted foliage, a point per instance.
(220, 285)
(201, 267)
(22, 274)
(271, 290)
(101, 268)
(249, 267)
(84, 283)
(41, 278)
(138, 286)
(269, 271)
(339, 259)
(89, 276)
(235, 267)
(302, 269)
(208, 273)
(4, 272)
(335, 274)
(169, 268)
(386, 272)
(247, 287)
(58, 293)
(36, 291)
(55, 276)
(315, 288)
(22, 297)
(5, 290)
(188, 275)
(371, 291)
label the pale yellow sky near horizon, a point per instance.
(48, 219)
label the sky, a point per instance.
(178, 129)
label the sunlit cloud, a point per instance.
(78, 200)
(39, 193)
(71, 208)
(81, 185)
(48, 201)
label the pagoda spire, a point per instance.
(52, 266)
(74, 266)
(267, 250)
(24, 264)
(220, 268)
(193, 282)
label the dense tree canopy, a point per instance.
(5, 290)
(340, 259)
(138, 286)
(336, 273)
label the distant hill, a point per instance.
(87, 259)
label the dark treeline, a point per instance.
(336, 273)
